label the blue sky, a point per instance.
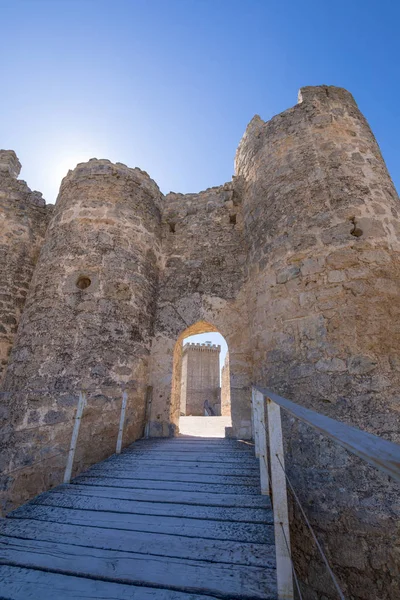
(170, 85)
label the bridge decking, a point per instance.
(170, 519)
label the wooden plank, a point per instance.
(176, 446)
(182, 458)
(121, 422)
(178, 468)
(151, 484)
(165, 496)
(189, 477)
(143, 543)
(185, 447)
(258, 533)
(259, 403)
(57, 498)
(279, 494)
(30, 584)
(74, 438)
(189, 439)
(255, 423)
(224, 459)
(378, 452)
(232, 581)
(212, 443)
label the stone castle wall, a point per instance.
(295, 262)
(321, 219)
(200, 379)
(23, 221)
(201, 289)
(88, 318)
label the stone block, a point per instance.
(331, 365)
(287, 274)
(310, 266)
(336, 276)
(343, 258)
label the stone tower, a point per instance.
(200, 379)
(296, 262)
(88, 319)
(321, 217)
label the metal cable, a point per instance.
(291, 562)
(335, 583)
(119, 386)
(35, 463)
(23, 429)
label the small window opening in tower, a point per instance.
(205, 403)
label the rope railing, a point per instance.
(266, 419)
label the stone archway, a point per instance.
(166, 371)
(200, 327)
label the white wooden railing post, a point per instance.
(259, 416)
(255, 422)
(121, 422)
(74, 437)
(280, 504)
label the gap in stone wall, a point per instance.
(205, 385)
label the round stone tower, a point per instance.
(89, 315)
(322, 224)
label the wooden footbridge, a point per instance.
(170, 519)
(174, 519)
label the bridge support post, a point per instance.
(259, 418)
(280, 505)
(121, 422)
(74, 438)
(255, 422)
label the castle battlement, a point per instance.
(206, 347)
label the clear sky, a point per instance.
(170, 85)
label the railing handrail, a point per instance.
(380, 453)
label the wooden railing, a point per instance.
(267, 433)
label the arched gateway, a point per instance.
(166, 369)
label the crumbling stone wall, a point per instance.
(88, 319)
(321, 220)
(23, 222)
(200, 379)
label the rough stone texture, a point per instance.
(295, 262)
(23, 222)
(88, 318)
(200, 379)
(321, 219)
(201, 290)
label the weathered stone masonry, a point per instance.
(321, 219)
(295, 262)
(23, 222)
